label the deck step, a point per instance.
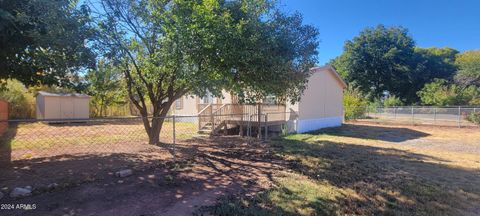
(204, 131)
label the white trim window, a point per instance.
(179, 104)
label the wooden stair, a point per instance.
(206, 129)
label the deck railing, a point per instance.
(254, 113)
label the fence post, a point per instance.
(174, 137)
(435, 116)
(266, 126)
(395, 113)
(459, 116)
(367, 115)
(413, 117)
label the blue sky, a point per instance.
(440, 23)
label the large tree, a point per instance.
(384, 60)
(170, 48)
(380, 61)
(44, 41)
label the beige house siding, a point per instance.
(321, 104)
(323, 96)
(190, 104)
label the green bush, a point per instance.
(354, 104)
(21, 101)
(474, 117)
(392, 101)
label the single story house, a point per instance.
(321, 106)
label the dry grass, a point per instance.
(33, 140)
(371, 170)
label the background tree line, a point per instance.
(384, 66)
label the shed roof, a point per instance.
(332, 71)
(44, 93)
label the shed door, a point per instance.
(66, 107)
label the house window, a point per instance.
(179, 104)
(207, 99)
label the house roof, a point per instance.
(332, 71)
(44, 93)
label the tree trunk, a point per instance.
(153, 125)
(155, 129)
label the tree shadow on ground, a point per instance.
(6, 136)
(388, 134)
(197, 178)
(385, 180)
(372, 180)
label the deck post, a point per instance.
(241, 125)
(212, 119)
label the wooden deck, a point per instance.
(215, 117)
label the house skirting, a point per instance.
(308, 125)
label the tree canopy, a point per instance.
(469, 68)
(379, 60)
(167, 49)
(44, 41)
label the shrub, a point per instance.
(354, 104)
(21, 101)
(392, 101)
(474, 117)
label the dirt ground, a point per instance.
(371, 169)
(358, 168)
(206, 168)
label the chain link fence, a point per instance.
(67, 153)
(32, 139)
(416, 115)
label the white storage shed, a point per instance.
(62, 106)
